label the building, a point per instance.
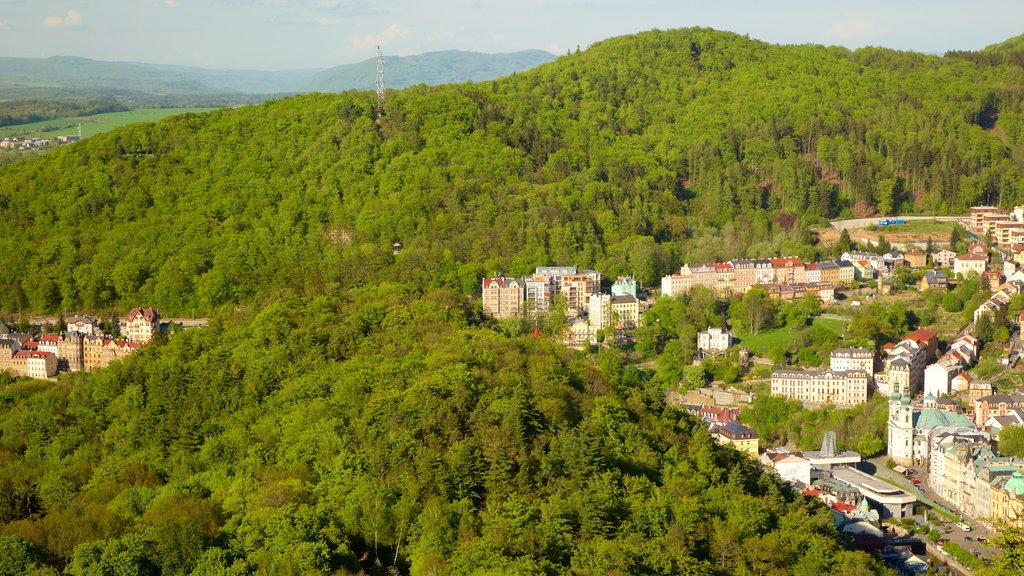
(978, 214)
(964, 264)
(624, 286)
(577, 289)
(845, 359)
(909, 428)
(540, 292)
(822, 386)
(927, 340)
(8, 348)
(916, 258)
(600, 311)
(502, 297)
(944, 258)
(83, 325)
(904, 367)
(626, 312)
(938, 377)
(34, 364)
(934, 280)
(714, 340)
(995, 405)
(737, 435)
(70, 352)
(142, 324)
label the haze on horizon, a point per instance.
(287, 34)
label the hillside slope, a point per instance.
(635, 155)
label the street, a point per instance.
(950, 531)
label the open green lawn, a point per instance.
(92, 124)
(761, 343)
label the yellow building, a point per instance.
(737, 435)
(1008, 500)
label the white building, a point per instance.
(714, 340)
(844, 359)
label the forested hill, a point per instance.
(432, 68)
(632, 156)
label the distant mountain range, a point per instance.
(68, 76)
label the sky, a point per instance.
(285, 34)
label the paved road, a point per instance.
(865, 222)
(951, 532)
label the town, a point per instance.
(81, 347)
(941, 421)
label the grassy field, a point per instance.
(760, 344)
(92, 124)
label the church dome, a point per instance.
(1015, 485)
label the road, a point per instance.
(865, 222)
(950, 531)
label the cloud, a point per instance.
(172, 3)
(280, 3)
(392, 33)
(328, 20)
(69, 20)
(3, 25)
(855, 27)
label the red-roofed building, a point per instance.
(48, 343)
(142, 324)
(34, 364)
(978, 249)
(788, 270)
(926, 339)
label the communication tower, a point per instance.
(380, 83)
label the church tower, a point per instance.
(901, 429)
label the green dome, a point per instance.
(895, 396)
(905, 400)
(1015, 485)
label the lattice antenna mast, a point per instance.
(380, 83)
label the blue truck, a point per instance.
(891, 222)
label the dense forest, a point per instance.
(348, 410)
(632, 156)
(378, 428)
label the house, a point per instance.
(540, 292)
(962, 383)
(142, 324)
(964, 264)
(737, 435)
(978, 249)
(994, 280)
(624, 286)
(83, 325)
(1014, 417)
(34, 364)
(714, 340)
(790, 466)
(863, 270)
(933, 280)
(944, 258)
(916, 258)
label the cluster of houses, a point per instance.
(80, 348)
(591, 310)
